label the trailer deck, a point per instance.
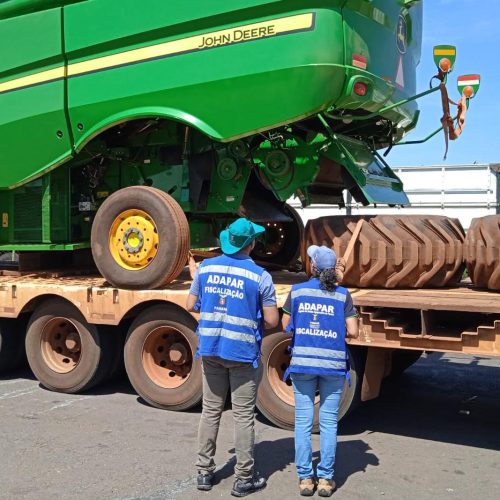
(447, 319)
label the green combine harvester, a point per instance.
(140, 129)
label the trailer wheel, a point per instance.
(65, 352)
(159, 358)
(12, 351)
(275, 399)
(140, 238)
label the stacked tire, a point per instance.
(410, 251)
(482, 252)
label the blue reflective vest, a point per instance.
(230, 324)
(318, 326)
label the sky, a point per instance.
(473, 26)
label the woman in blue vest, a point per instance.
(320, 314)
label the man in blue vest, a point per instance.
(321, 315)
(236, 300)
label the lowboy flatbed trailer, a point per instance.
(75, 329)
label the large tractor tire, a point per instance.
(65, 352)
(140, 238)
(275, 399)
(159, 358)
(280, 246)
(482, 252)
(12, 352)
(391, 251)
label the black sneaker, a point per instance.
(204, 481)
(244, 488)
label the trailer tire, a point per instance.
(12, 352)
(140, 238)
(159, 358)
(482, 252)
(275, 399)
(113, 339)
(393, 251)
(64, 351)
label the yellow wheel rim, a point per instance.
(133, 239)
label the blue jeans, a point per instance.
(330, 391)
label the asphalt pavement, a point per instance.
(433, 434)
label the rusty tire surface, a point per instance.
(482, 252)
(155, 377)
(408, 251)
(173, 235)
(86, 367)
(275, 399)
(12, 351)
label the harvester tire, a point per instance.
(275, 399)
(283, 239)
(64, 351)
(482, 252)
(158, 229)
(12, 352)
(391, 251)
(159, 358)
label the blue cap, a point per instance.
(239, 235)
(322, 257)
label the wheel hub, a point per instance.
(61, 345)
(177, 353)
(166, 357)
(133, 239)
(72, 342)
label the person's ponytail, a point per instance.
(327, 279)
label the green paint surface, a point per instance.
(69, 141)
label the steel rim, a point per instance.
(167, 357)
(133, 239)
(61, 345)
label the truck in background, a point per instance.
(464, 192)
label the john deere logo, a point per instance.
(402, 34)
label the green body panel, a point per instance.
(33, 126)
(212, 102)
(227, 92)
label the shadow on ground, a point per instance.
(275, 456)
(448, 398)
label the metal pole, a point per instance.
(348, 203)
